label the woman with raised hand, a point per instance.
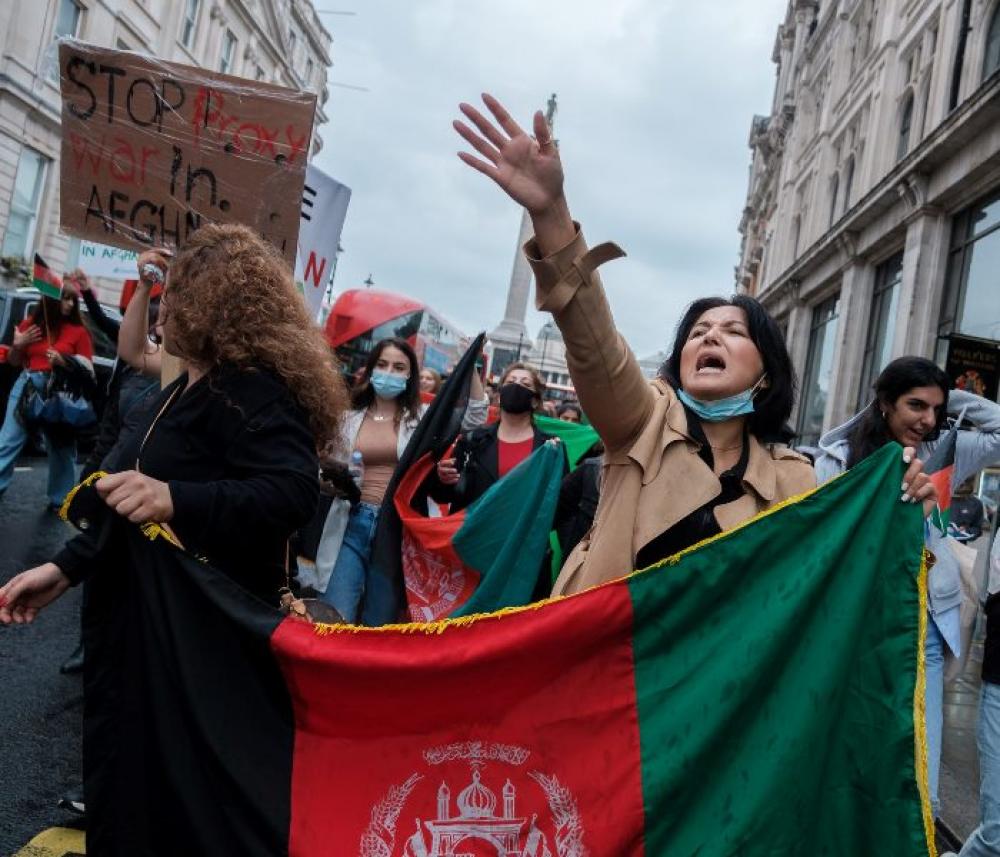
(712, 422)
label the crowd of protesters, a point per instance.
(227, 456)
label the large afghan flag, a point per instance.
(760, 694)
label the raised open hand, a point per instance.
(527, 168)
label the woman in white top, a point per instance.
(387, 409)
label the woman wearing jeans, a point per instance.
(386, 411)
(911, 405)
(53, 333)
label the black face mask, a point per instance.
(516, 399)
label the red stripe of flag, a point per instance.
(409, 751)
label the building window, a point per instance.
(925, 104)
(905, 123)
(228, 52)
(307, 79)
(991, 62)
(834, 191)
(796, 235)
(189, 23)
(969, 303)
(19, 239)
(819, 370)
(67, 26)
(293, 45)
(261, 74)
(848, 182)
(881, 325)
(68, 19)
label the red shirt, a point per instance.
(510, 455)
(71, 339)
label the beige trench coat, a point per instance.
(653, 476)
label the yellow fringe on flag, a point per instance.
(439, 626)
(90, 480)
(920, 713)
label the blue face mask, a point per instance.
(722, 409)
(387, 385)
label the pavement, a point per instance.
(42, 710)
(959, 782)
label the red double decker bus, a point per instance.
(361, 317)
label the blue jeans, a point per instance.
(13, 437)
(346, 588)
(934, 702)
(985, 839)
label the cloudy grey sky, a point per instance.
(655, 103)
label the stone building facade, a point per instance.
(280, 41)
(872, 223)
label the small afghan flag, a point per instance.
(940, 467)
(760, 694)
(45, 280)
(487, 556)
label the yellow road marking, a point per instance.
(55, 842)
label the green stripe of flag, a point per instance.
(773, 709)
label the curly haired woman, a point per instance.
(226, 457)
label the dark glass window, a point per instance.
(971, 300)
(834, 189)
(353, 354)
(819, 370)
(991, 61)
(881, 324)
(848, 182)
(905, 124)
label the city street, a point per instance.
(40, 709)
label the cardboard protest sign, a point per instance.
(324, 208)
(153, 149)
(102, 260)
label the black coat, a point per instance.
(243, 472)
(477, 458)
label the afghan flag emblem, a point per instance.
(45, 280)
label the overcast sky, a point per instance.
(655, 103)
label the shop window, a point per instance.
(881, 325)
(819, 371)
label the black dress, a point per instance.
(241, 463)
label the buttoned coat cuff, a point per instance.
(560, 274)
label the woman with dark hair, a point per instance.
(50, 339)
(911, 407)
(693, 453)
(386, 409)
(485, 456)
(569, 412)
